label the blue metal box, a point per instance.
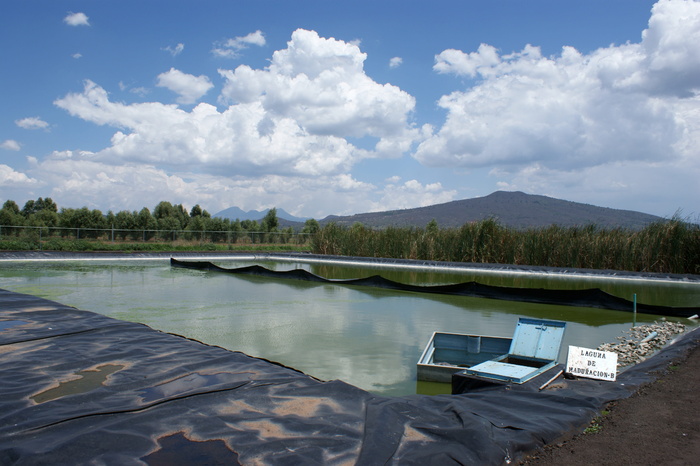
(447, 353)
(533, 350)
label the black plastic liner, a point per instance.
(594, 297)
(78, 387)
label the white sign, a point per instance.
(593, 364)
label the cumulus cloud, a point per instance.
(84, 178)
(458, 62)
(395, 62)
(10, 144)
(11, 178)
(320, 83)
(231, 48)
(293, 118)
(32, 123)
(190, 88)
(632, 103)
(76, 19)
(175, 51)
(410, 194)
(240, 139)
(80, 177)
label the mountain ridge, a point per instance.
(233, 213)
(513, 209)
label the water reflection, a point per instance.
(369, 337)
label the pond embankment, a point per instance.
(79, 387)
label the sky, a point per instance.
(323, 107)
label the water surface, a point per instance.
(369, 337)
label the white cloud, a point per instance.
(80, 178)
(231, 48)
(77, 55)
(395, 62)
(241, 139)
(635, 103)
(291, 119)
(410, 194)
(175, 51)
(11, 178)
(83, 178)
(321, 84)
(10, 144)
(76, 19)
(190, 88)
(458, 62)
(32, 123)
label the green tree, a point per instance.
(217, 227)
(164, 209)
(250, 225)
(29, 208)
(197, 224)
(196, 211)
(235, 229)
(432, 227)
(32, 207)
(83, 219)
(10, 215)
(125, 223)
(46, 204)
(311, 226)
(44, 218)
(168, 226)
(181, 213)
(170, 217)
(252, 228)
(11, 207)
(270, 222)
(146, 223)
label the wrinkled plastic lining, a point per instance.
(79, 387)
(595, 297)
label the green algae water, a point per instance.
(369, 337)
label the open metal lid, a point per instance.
(537, 338)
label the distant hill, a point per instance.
(512, 209)
(233, 213)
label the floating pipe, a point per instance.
(650, 337)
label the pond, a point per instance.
(369, 337)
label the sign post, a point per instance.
(592, 364)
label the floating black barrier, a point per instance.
(593, 297)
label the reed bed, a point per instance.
(669, 246)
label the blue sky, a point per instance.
(323, 107)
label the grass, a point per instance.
(671, 246)
(595, 427)
(85, 245)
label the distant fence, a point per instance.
(116, 235)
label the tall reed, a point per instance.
(669, 246)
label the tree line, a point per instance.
(166, 217)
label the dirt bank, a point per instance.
(659, 424)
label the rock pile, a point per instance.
(641, 341)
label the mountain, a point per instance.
(234, 213)
(512, 209)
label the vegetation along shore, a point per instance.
(665, 246)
